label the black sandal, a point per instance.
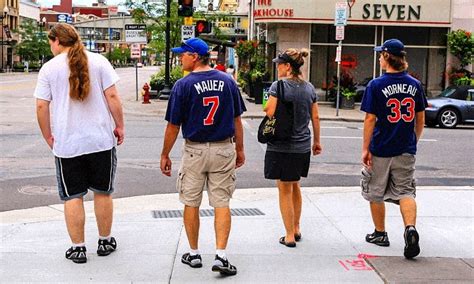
(298, 237)
(290, 245)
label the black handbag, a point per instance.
(280, 126)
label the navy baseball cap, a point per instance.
(392, 46)
(194, 45)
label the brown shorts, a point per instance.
(389, 179)
(211, 164)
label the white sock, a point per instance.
(105, 238)
(221, 253)
(78, 245)
(193, 252)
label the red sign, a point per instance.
(349, 61)
(135, 51)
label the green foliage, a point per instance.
(347, 84)
(461, 45)
(19, 66)
(245, 49)
(464, 81)
(120, 56)
(461, 77)
(157, 80)
(154, 16)
(34, 42)
(252, 62)
(348, 93)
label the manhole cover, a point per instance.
(38, 190)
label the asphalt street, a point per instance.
(27, 174)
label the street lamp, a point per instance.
(165, 93)
(4, 16)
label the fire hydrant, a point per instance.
(146, 95)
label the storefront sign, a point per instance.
(390, 12)
(62, 18)
(234, 26)
(113, 10)
(264, 8)
(363, 12)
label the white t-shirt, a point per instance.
(79, 127)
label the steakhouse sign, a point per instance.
(426, 13)
(264, 9)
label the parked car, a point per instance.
(453, 106)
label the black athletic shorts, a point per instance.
(286, 166)
(95, 171)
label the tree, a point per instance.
(120, 56)
(461, 45)
(154, 16)
(33, 45)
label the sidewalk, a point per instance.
(334, 223)
(327, 111)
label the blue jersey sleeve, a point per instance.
(368, 104)
(239, 104)
(174, 112)
(420, 100)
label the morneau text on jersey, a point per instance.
(399, 88)
(209, 85)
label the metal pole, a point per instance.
(110, 32)
(165, 93)
(2, 45)
(3, 40)
(338, 81)
(136, 79)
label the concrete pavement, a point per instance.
(334, 223)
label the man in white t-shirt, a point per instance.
(79, 88)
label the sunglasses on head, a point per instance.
(193, 50)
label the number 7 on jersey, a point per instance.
(214, 102)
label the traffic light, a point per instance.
(185, 8)
(203, 27)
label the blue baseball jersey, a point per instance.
(205, 105)
(394, 98)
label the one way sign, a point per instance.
(187, 32)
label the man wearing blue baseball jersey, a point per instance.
(207, 105)
(394, 104)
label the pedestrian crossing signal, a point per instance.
(185, 8)
(203, 27)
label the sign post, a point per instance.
(135, 53)
(136, 35)
(340, 20)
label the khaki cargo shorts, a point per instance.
(210, 165)
(389, 179)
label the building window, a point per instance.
(426, 48)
